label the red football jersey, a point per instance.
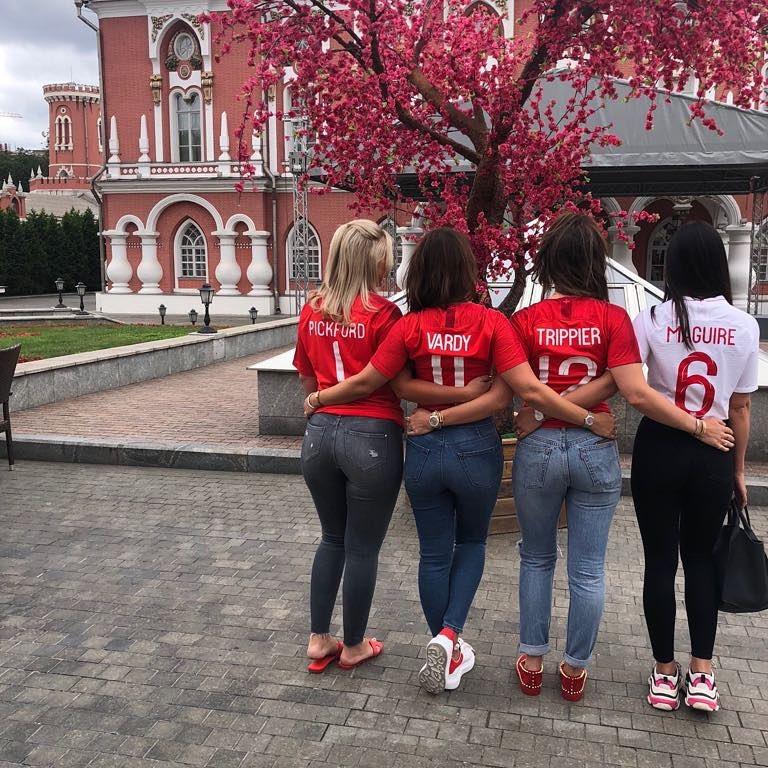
(450, 346)
(572, 340)
(332, 352)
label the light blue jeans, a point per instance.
(580, 469)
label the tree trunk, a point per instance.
(512, 299)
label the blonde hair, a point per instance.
(358, 251)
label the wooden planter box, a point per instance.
(504, 518)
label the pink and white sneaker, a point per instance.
(701, 691)
(664, 690)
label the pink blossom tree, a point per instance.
(434, 88)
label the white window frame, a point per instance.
(177, 253)
(174, 123)
(649, 264)
(289, 256)
(99, 125)
(390, 225)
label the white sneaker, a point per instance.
(664, 690)
(457, 669)
(701, 691)
(434, 674)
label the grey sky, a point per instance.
(41, 41)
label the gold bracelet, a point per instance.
(317, 395)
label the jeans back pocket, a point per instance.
(482, 466)
(601, 458)
(312, 443)
(531, 463)
(416, 456)
(365, 450)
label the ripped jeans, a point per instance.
(353, 467)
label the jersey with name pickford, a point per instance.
(450, 346)
(724, 358)
(572, 340)
(332, 352)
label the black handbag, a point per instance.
(742, 566)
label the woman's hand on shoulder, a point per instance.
(418, 423)
(717, 434)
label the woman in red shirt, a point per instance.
(352, 455)
(452, 476)
(571, 339)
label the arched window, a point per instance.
(288, 128)
(313, 254)
(192, 252)
(388, 225)
(484, 8)
(64, 132)
(186, 120)
(657, 250)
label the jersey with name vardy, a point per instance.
(450, 346)
(332, 352)
(724, 358)
(572, 340)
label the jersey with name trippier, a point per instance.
(724, 358)
(332, 352)
(450, 346)
(572, 340)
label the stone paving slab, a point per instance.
(153, 617)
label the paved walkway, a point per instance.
(157, 618)
(217, 404)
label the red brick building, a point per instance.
(171, 217)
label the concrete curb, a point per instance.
(218, 458)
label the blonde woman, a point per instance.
(352, 454)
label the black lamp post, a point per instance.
(206, 296)
(80, 288)
(254, 313)
(193, 316)
(162, 310)
(60, 289)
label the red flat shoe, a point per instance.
(530, 682)
(376, 646)
(572, 688)
(316, 666)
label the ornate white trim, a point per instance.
(161, 205)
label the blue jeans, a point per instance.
(574, 466)
(452, 477)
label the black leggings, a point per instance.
(681, 489)
(353, 467)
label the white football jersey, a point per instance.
(726, 343)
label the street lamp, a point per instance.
(162, 310)
(80, 288)
(60, 289)
(206, 296)
(254, 313)
(193, 316)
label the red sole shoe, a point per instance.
(572, 688)
(530, 682)
(316, 666)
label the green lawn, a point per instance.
(41, 341)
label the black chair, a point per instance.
(8, 359)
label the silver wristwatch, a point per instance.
(538, 415)
(435, 420)
(589, 420)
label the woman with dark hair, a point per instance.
(452, 476)
(572, 338)
(702, 355)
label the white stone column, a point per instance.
(144, 169)
(409, 237)
(119, 270)
(619, 249)
(227, 270)
(114, 149)
(259, 271)
(739, 262)
(149, 270)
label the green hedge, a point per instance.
(34, 252)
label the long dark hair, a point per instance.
(572, 258)
(696, 266)
(442, 270)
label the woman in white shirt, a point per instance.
(702, 354)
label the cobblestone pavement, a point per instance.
(217, 404)
(153, 618)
